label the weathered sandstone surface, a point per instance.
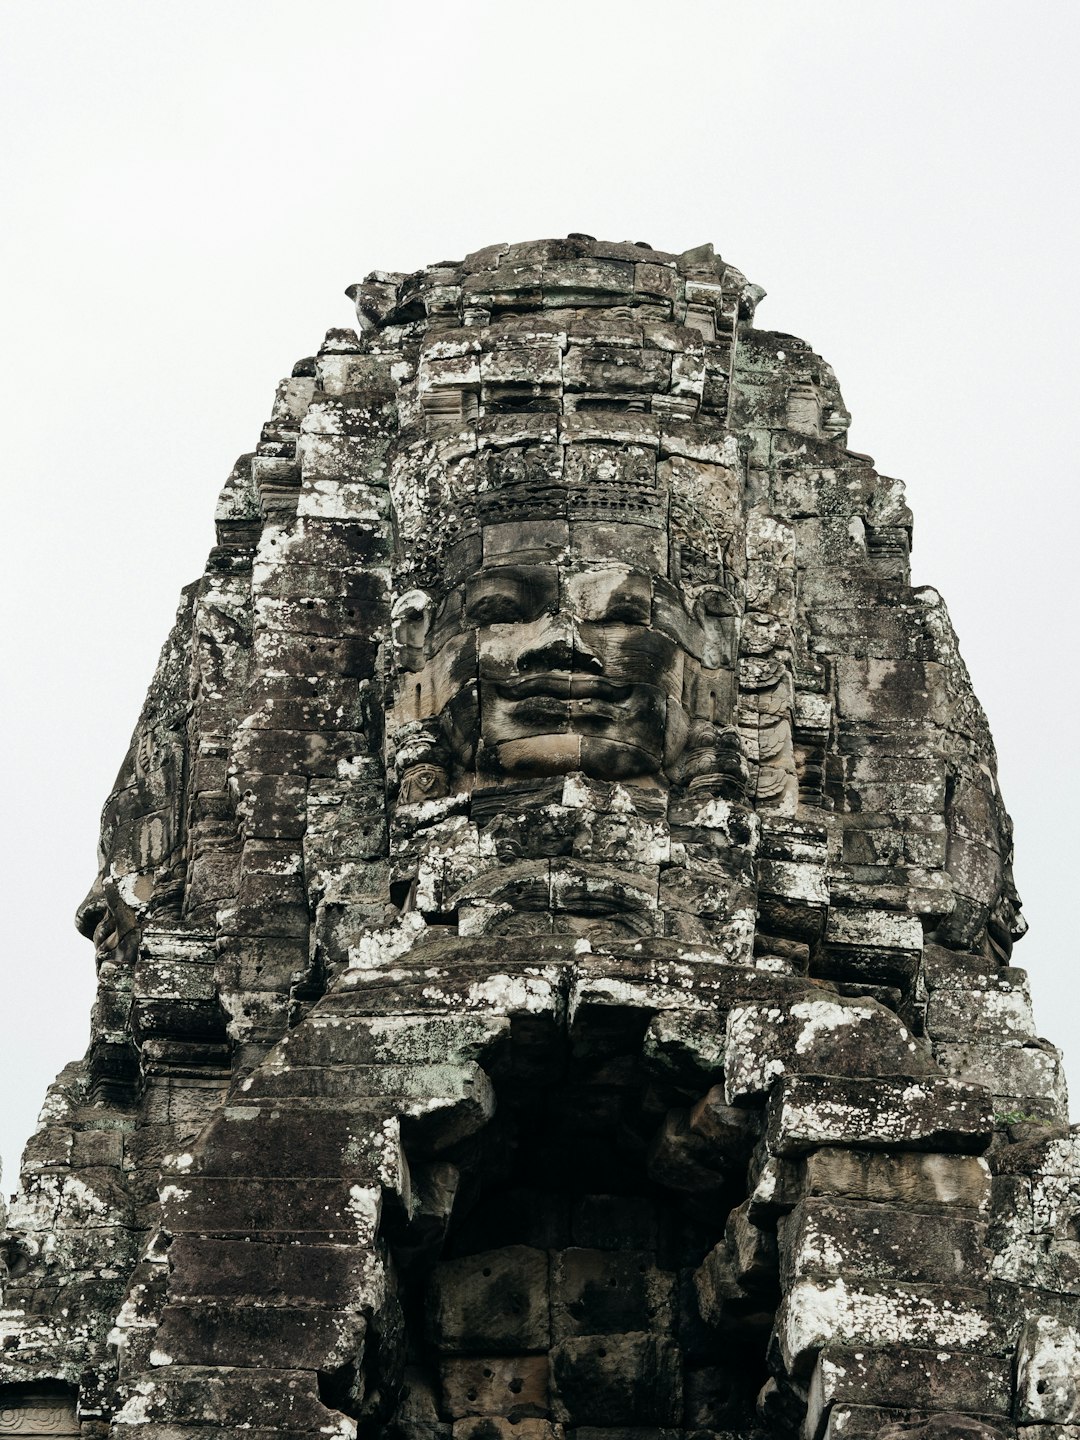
(554, 925)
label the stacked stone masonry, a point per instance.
(554, 925)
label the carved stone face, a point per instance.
(573, 676)
(555, 654)
(571, 554)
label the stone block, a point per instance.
(512, 1386)
(816, 1314)
(491, 1303)
(418, 1040)
(752, 1248)
(1048, 1372)
(876, 1422)
(1025, 1078)
(41, 1410)
(1000, 1014)
(1037, 1260)
(323, 1211)
(437, 1104)
(685, 1046)
(510, 985)
(629, 1379)
(826, 1035)
(777, 1187)
(731, 1129)
(233, 1271)
(609, 369)
(1049, 1153)
(1015, 1304)
(262, 1336)
(716, 1284)
(498, 1427)
(283, 1400)
(683, 1160)
(604, 1292)
(893, 690)
(883, 946)
(806, 1112)
(925, 1379)
(715, 1397)
(129, 1418)
(948, 969)
(91, 1149)
(1055, 1203)
(249, 1141)
(921, 1181)
(881, 1242)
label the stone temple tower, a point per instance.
(553, 926)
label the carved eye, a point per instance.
(507, 594)
(495, 603)
(611, 596)
(628, 609)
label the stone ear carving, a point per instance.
(423, 782)
(420, 761)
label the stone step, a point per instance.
(316, 1211)
(916, 1113)
(201, 1268)
(881, 1242)
(819, 1314)
(263, 1337)
(208, 1397)
(926, 1379)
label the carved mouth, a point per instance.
(562, 685)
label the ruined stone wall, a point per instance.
(554, 924)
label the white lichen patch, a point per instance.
(364, 1207)
(1048, 1372)
(377, 948)
(820, 1313)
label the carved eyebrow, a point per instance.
(510, 592)
(610, 595)
(627, 605)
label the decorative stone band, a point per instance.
(38, 1415)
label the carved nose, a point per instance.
(561, 652)
(92, 910)
(556, 653)
(585, 658)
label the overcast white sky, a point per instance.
(190, 187)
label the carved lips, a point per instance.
(566, 686)
(594, 700)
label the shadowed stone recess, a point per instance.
(553, 925)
